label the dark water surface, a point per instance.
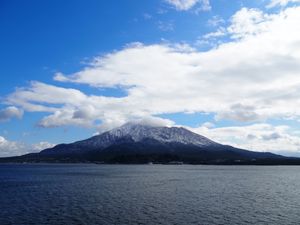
(149, 194)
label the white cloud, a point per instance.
(240, 112)
(41, 146)
(257, 137)
(9, 113)
(205, 6)
(281, 3)
(183, 5)
(165, 26)
(13, 148)
(147, 16)
(215, 21)
(154, 121)
(249, 22)
(253, 77)
(146, 120)
(243, 24)
(208, 125)
(219, 33)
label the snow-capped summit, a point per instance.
(139, 132)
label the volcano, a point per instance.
(135, 143)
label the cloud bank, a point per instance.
(257, 137)
(13, 148)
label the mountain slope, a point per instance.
(135, 143)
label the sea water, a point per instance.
(148, 194)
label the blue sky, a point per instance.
(224, 69)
